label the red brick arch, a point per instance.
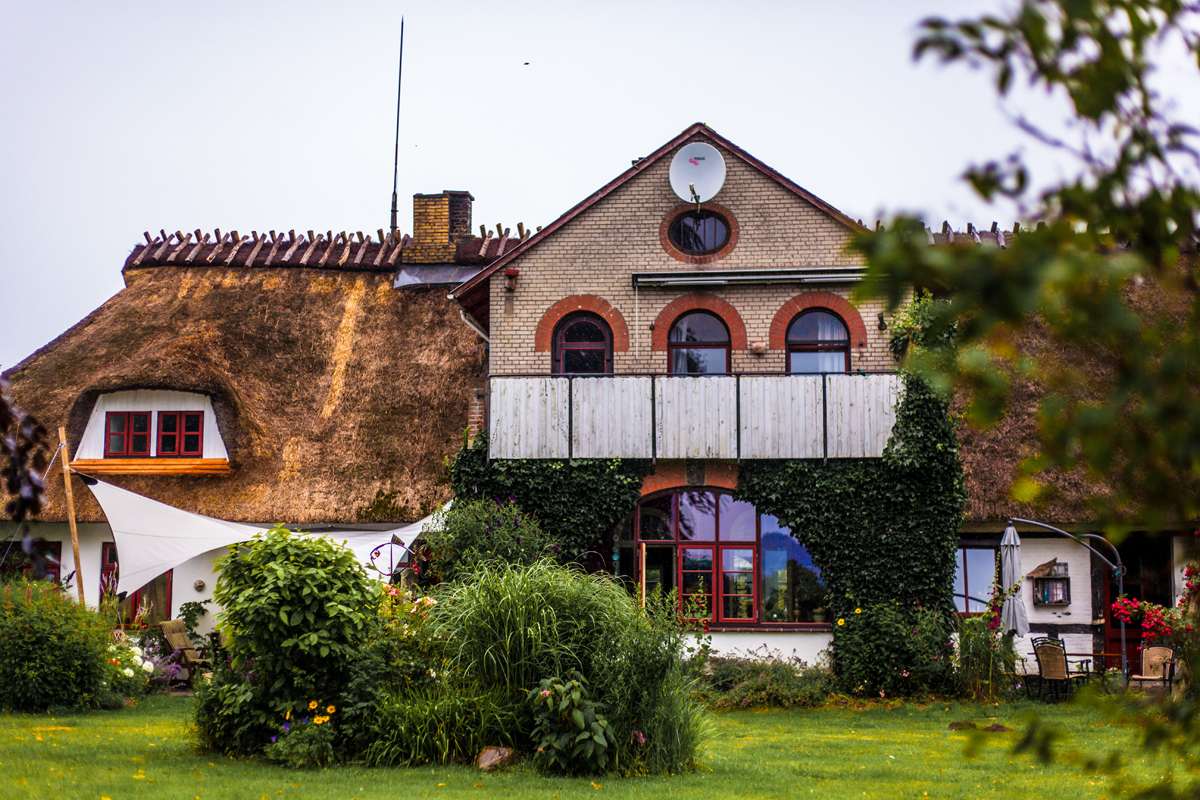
(673, 475)
(827, 300)
(581, 302)
(698, 302)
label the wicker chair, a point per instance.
(1158, 667)
(1054, 670)
(175, 632)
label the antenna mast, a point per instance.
(396, 161)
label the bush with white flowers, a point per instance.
(129, 670)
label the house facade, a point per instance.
(320, 380)
(699, 332)
(696, 335)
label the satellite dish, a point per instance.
(699, 166)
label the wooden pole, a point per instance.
(66, 458)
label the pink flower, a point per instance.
(881, 692)
(545, 693)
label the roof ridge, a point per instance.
(343, 250)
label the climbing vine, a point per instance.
(883, 530)
(577, 501)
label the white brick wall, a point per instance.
(595, 253)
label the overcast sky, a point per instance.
(120, 117)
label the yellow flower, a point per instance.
(319, 720)
(288, 715)
(312, 705)
(330, 709)
(858, 611)
(841, 622)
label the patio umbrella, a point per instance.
(1012, 614)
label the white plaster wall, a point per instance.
(183, 590)
(1179, 560)
(1079, 566)
(808, 647)
(92, 537)
(92, 443)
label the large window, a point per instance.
(582, 345)
(818, 341)
(698, 344)
(974, 573)
(725, 561)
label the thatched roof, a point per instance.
(329, 386)
(991, 457)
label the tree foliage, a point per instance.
(1108, 275)
(1102, 274)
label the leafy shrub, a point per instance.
(442, 722)
(401, 655)
(297, 611)
(892, 650)
(512, 627)
(571, 735)
(52, 650)
(766, 680)
(234, 712)
(483, 531)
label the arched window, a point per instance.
(582, 345)
(698, 344)
(721, 554)
(818, 341)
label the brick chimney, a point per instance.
(440, 222)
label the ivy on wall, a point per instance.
(882, 530)
(577, 501)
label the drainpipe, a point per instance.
(474, 325)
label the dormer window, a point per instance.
(152, 431)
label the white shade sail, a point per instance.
(153, 537)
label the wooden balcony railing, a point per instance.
(682, 416)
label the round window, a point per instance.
(699, 232)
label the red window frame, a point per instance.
(561, 346)
(709, 597)
(51, 553)
(818, 345)
(752, 549)
(125, 436)
(180, 421)
(726, 345)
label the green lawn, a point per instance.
(830, 753)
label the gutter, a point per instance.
(473, 324)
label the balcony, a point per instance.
(683, 416)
